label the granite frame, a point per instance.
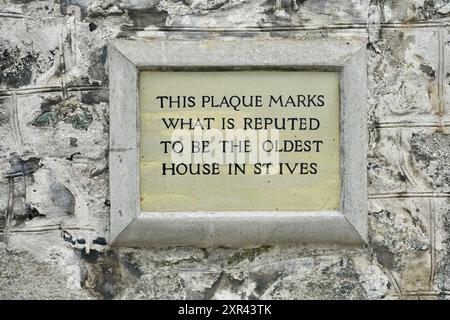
(132, 228)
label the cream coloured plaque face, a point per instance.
(239, 141)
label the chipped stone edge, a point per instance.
(132, 228)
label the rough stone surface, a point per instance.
(54, 201)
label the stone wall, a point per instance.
(54, 205)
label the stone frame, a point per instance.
(133, 228)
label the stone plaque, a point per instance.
(237, 143)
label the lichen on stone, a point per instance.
(15, 65)
(56, 109)
(431, 151)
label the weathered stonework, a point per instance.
(54, 192)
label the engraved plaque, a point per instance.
(239, 141)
